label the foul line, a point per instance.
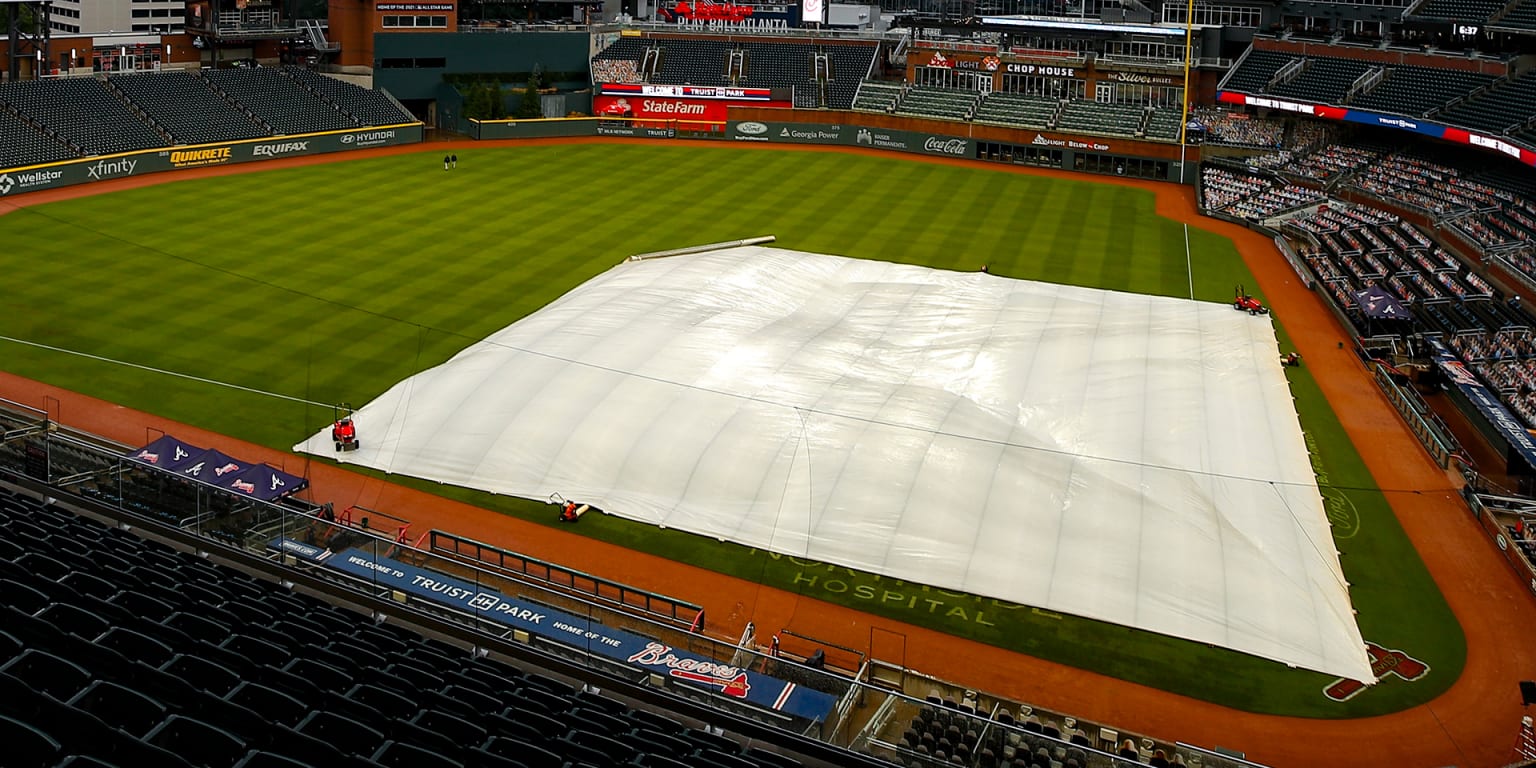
(162, 370)
(1189, 268)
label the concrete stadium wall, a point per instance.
(35, 178)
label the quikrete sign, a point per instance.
(15, 181)
(192, 158)
(629, 648)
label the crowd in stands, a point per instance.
(1224, 127)
(615, 71)
(1252, 197)
(1330, 162)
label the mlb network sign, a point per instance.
(32, 179)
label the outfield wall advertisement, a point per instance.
(852, 136)
(51, 176)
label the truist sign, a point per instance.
(750, 687)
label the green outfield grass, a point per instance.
(331, 283)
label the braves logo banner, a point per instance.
(215, 468)
(643, 652)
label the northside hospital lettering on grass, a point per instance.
(894, 593)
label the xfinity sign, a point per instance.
(111, 169)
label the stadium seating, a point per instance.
(83, 112)
(1163, 124)
(875, 96)
(100, 662)
(21, 144)
(1522, 16)
(1018, 110)
(1094, 117)
(1462, 11)
(186, 107)
(1416, 90)
(1322, 80)
(1506, 105)
(1255, 70)
(764, 65)
(941, 103)
(278, 100)
(368, 107)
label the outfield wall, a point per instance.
(942, 138)
(35, 178)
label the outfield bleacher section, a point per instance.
(1094, 117)
(188, 108)
(1460, 11)
(83, 112)
(367, 107)
(1414, 91)
(1321, 80)
(1522, 16)
(1017, 110)
(765, 64)
(22, 144)
(278, 100)
(1163, 125)
(875, 96)
(939, 103)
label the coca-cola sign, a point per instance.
(944, 146)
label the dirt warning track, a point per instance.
(1473, 724)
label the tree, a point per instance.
(530, 106)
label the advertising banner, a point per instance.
(727, 93)
(35, 178)
(850, 135)
(626, 647)
(666, 108)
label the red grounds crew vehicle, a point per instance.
(343, 430)
(1245, 303)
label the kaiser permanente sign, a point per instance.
(626, 647)
(16, 181)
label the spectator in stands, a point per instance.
(1128, 750)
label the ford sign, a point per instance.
(752, 129)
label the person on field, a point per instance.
(454, 159)
(445, 162)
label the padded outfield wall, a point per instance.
(35, 178)
(1046, 149)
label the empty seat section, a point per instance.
(279, 101)
(183, 104)
(81, 111)
(368, 106)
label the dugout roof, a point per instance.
(1129, 458)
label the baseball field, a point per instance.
(331, 282)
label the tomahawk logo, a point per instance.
(864, 137)
(6, 184)
(107, 169)
(1383, 662)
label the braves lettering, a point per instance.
(1383, 662)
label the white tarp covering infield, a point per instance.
(1130, 458)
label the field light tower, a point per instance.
(26, 23)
